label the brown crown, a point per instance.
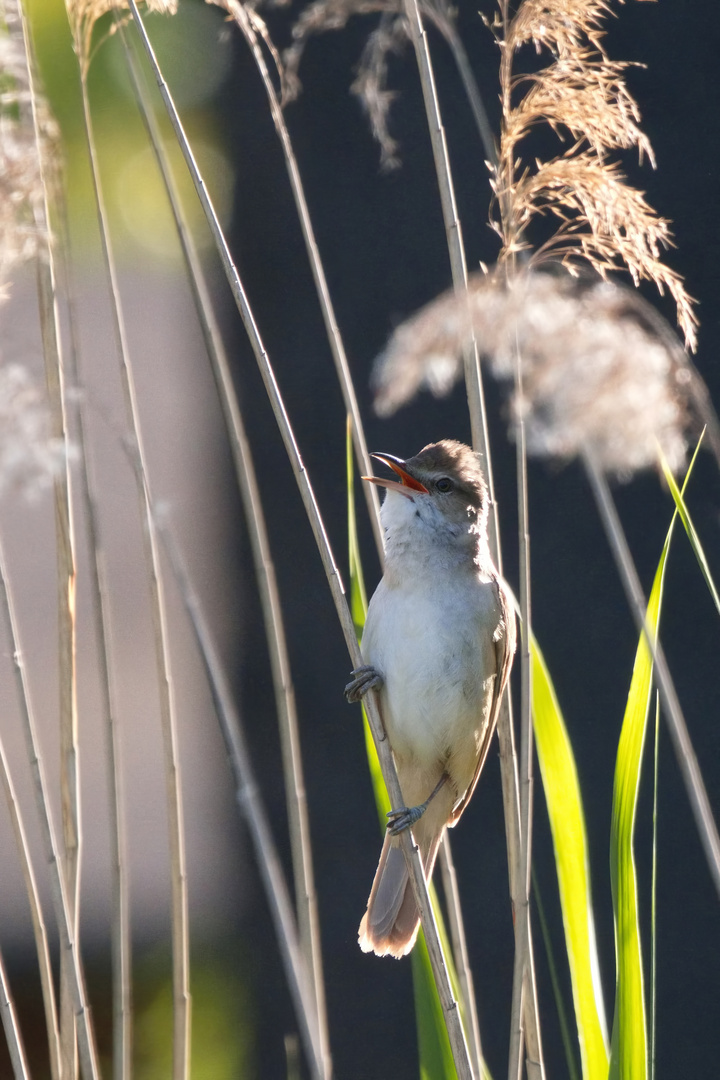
(451, 458)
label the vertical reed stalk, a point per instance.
(524, 1000)
(65, 548)
(248, 798)
(65, 571)
(249, 24)
(473, 381)
(120, 932)
(460, 954)
(450, 1010)
(453, 229)
(478, 418)
(306, 897)
(36, 914)
(179, 899)
(65, 922)
(18, 1060)
(684, 752)
(653, 888)
(15, 18)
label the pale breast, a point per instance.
(433, 644)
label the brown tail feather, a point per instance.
(390, 924)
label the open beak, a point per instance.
(407, 483)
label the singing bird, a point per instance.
(438, 644)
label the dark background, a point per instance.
(382, 242)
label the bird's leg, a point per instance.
(406, 816)
(366, 678)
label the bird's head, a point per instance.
(441, 488)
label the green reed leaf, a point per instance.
(567, 823)
(688, 525)
(629, 1051)
(628, 1057)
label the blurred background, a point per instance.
(382, 241)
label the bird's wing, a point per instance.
(504, 651)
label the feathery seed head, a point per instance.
(600, 369)
(83, 14)
(599, 218)
(21, 182)
(30, 458)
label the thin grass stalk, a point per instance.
(306, 896)
(69, 750)
(472, 92)
(417, 878)
(684, 752)
(243, 18)
(36, 914)
(64, 920)
(478, 420)
(653, 902)
(524, 998)
(65, 570)
(565, 1030)
(120, 932)
(460, 953)
(16, 1049)
(458, 265)
(65, 555)
(14, 14)
(520, 899)
(453, 228)
(505, 725)
(521, 902)
(511, 792)
(253, 811)
(249, 801)
(179, 898)
(524, 993)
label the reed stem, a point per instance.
(417, 878)
(680, 737)
(179, 899)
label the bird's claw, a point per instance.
(404, 818)
(366, 678)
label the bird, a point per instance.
(438, 645)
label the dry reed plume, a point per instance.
(84, 14)
(601, 370)
(389, 38)
(21, 189)
(581, 94)
(29, 457)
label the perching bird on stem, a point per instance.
(438, 645)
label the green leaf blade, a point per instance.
(567, 823)
(629, 1047)
(628, 1060)
(690, 530)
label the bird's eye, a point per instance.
(444, 484)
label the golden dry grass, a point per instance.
(601, 220)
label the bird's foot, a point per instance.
(407, 816)
(404, 818)
(366, 678)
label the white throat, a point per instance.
(421, 539)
